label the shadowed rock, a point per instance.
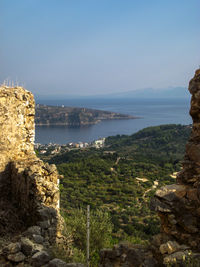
(29, 193)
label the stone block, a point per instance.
(27, 246)
(171, 192)
(40, 258)
(17, 257)
(38, 239)
(12, 248)
(176, 257)
(57, 263)
(34, 230)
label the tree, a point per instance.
(100, 231)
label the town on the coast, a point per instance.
(53, 149)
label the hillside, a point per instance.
(121, 177)
(72, 116)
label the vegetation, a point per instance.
(75, 230)
(121, 178)
(55, 115)
(100, 232)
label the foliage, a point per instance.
(100, 232)
(122, 177)
(159, 144)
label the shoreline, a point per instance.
(86, 124)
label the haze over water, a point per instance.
(84, 48)
(151, 112)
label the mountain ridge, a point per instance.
(169, 92)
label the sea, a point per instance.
(149, 112)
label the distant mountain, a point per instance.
(171, 92)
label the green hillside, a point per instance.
(121, 177)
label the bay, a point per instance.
(152, 112)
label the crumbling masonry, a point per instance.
(29, 193)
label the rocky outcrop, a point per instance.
(29, 193)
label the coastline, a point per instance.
(88, 123)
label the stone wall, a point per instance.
(29, 193)
(30, 182)
(17, 131)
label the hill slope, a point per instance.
(121, 177)
(53, 115)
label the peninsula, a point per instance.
(73, 116)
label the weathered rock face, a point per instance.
(31, 183)
(191, 165)
(17, 131)
(29, 194)
(178, 205)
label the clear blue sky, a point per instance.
(99, 46)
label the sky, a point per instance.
(89, 47)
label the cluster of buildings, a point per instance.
(53, 149)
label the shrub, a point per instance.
(100, 232)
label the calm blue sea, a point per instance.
(151, 112)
